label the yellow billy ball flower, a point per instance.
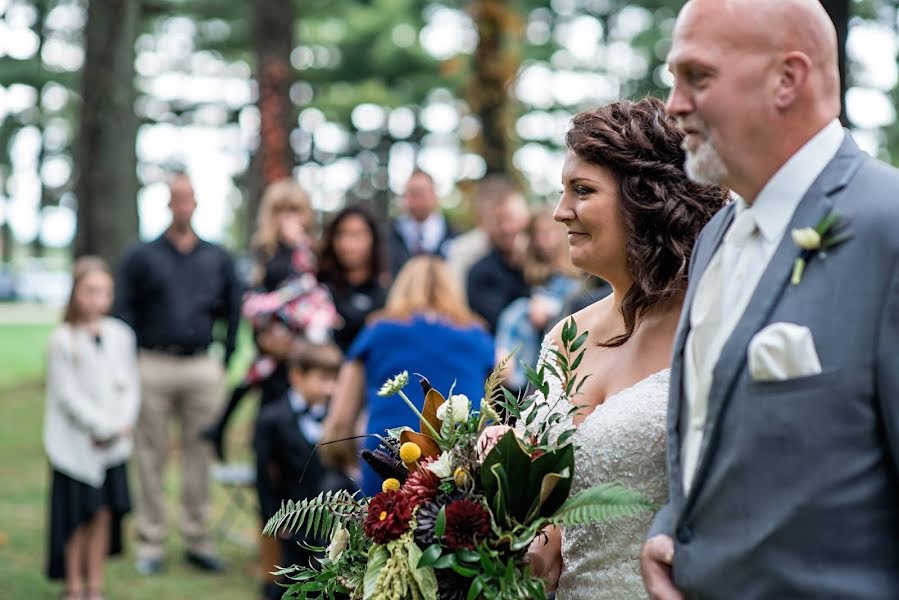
(390, 485)
(410, 452)
(460, 477)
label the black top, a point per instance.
(492, 285)
(279, 268)
(354, 303)
(172, 299)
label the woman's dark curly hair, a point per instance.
(329, 267)
(663, 211)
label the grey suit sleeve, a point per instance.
(663, 523)
(887, 367)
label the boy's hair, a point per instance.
(306, 356)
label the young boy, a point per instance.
(288, 468)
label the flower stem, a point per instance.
(798, 269)
(409, 403)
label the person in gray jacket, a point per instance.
(783, 418)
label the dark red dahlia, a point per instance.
(388, 517)
(467, 523)
(421, 486)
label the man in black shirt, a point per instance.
(172, 291)
(496, 280)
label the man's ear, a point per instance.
(792, 76)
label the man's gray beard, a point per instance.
(705, 165)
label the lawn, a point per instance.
(24, 476)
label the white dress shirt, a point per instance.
(426, 235)
(733, 274)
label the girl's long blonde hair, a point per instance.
(82, 267)
(425, 285)
(284, 194)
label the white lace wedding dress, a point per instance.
(622, 441)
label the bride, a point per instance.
(632, 217)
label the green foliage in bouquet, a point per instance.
(457, 514)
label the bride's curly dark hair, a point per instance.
(663, 211)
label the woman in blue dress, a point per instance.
(426, 328)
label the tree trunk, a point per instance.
(273, 23)
(105, 153)
(839, 11)
(37, 245)
(496, 62)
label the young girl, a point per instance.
(92, 404)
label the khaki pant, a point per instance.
(191, 390)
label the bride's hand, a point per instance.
(545, 556)
(488, 439)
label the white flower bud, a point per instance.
(806, 238)
(338, 544)
(460, 406)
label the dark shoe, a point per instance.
(149, 566)
(205, 562)
(215, 436)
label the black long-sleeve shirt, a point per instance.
(492, 285)
(172, 299)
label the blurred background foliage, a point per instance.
(348, 96)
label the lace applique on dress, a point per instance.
(622, 441)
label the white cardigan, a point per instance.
(92, 393)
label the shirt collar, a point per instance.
(774, 206)
(300, 406)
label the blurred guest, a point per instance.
(171, 291)
(594, 289)
(92, 403)
(425, 328)
(469, 247)
(422, 228)
(497, 279)
(289, 429)
(286, 301)
(552, 279)
(351, 264)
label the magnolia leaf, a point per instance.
(510, 454)
(433, 400)
(549, 482)
(377, 558)
(395, 432)
(427, 444)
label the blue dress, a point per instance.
(442, 352)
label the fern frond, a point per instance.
(600, 503)
(317, 516)
(493, 383)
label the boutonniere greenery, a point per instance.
(828, 233)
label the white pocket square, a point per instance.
(783, 351)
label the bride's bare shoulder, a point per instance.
(591, 318)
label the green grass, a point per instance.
(24, 476)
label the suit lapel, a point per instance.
(814, 206)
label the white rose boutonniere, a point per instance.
(828, 233)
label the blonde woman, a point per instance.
(427, 328)
(92, 404)
(282, 251)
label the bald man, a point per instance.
(784, 411)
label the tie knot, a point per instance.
(742, 228)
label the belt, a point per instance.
(178, 350)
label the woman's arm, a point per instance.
(342, 416)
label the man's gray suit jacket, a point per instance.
(796, 493)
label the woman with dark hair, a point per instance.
(351, 263)
(632, 218)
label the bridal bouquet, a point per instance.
(459, 508)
